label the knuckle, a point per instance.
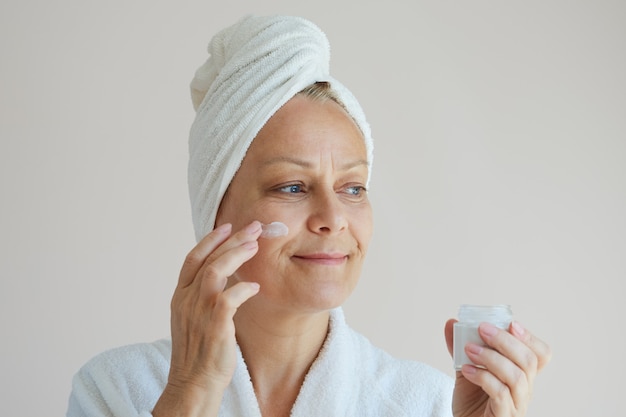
(547, 356)
(193, 258)
(211, 272)
(518, 377)
(502, 393)
(178, 305)
(225, 304)
(175, 301)
(530, 360)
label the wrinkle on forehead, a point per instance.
(346, 166)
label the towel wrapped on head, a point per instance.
(254, 67)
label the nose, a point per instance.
(327, 214)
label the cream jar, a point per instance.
(466, 329)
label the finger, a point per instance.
(229, 301)
(503, 369)
(510, 347)
(218, 242)
(500, 398)
(215, 274)
(508, 359)
(247, 234)
(449, 334)
(195, 259)
(538, 346)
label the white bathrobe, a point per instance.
(350, 377)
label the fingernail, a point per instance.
(488, 329)
(517, 329)
(474, 348)
(469, 369)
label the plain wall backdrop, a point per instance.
(499, 177)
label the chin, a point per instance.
(325, 298)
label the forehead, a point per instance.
(304, 126)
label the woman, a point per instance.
(257, 328)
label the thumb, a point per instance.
(449, 333)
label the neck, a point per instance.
(279, 348)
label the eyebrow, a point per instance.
(305, 164)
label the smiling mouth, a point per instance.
(323, 259)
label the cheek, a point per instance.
(362, 227)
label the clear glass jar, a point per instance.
(466, 329)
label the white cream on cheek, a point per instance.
(274, 229)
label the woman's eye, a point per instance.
(292, 188)
(356, 190)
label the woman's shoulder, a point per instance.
(121, 380)
(132, 356)
(138, 361)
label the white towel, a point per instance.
(350, 377)
(254, 67)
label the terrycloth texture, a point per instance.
(350, 377)
(254, 67)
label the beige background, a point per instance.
(499, 177)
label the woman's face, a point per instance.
(306, 168)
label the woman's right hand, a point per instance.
(203, 332)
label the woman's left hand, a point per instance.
(503, 385)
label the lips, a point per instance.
(322, 258)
